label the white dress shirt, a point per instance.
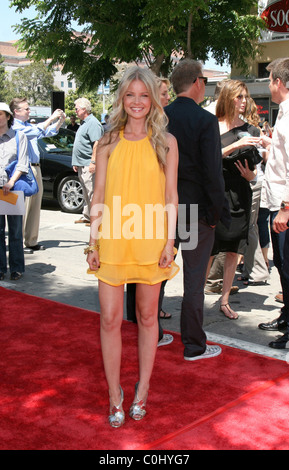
(34, 132)
(276, 181)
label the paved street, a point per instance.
(59, 274)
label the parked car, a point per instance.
(60, 182)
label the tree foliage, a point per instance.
(95, 100)
(35, 82)
(4, 84)
(151, 31)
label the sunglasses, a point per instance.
(205, 79)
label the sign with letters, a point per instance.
(276, 15)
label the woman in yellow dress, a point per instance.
(133, 221)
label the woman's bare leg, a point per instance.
(230, 266)
(111, 316)
(147, 298)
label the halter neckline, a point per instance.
(121, 135)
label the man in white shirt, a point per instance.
(275, 191)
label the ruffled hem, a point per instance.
(134, 274)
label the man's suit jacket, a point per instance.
(200, 173)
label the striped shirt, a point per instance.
(8, 153)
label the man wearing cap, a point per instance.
(275, 192)
(10, 151)
(21, 111)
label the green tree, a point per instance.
(4, 83)
(93, 97)
(152, 31)
(35, 82)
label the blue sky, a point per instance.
(9, 18)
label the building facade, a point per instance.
(275, 44)
(14, 59)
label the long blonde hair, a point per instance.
(156, 120)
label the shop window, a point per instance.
(263, 108)
(262, 72)
(274, 112)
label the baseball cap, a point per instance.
(5, 107)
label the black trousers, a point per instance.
(195, 263)
(280, 244)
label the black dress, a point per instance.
(239, 196)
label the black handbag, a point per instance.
(249, 153)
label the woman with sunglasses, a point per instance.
(236, 134)
(12, 148)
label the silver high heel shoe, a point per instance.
(137, 410)
(117, 417)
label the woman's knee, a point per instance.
(147, 316)
(111, 320)
(147, 304)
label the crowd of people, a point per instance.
(15, 127)
(177, 156)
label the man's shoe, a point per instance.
(36, 248)
(275, 325)
(166, 339)
(281, 343)
(28, 251)
(15, 276)
(2, 275)
(218, 290)
(81, 221)
(213, 290)
(211, 351)
(234, 290)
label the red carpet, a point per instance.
(53, 392)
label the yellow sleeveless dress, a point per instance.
(133, 232)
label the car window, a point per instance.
(63, 141)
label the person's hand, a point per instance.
(247, 140)
(93, 260)
(167, 257)
(280, 221)
(7, 187)
(266, 141)
(245, 170)
(91, 168)
(57, 114)
(75, 168)
(62, 117)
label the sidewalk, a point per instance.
(59, 274)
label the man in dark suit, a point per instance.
(201, 185)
